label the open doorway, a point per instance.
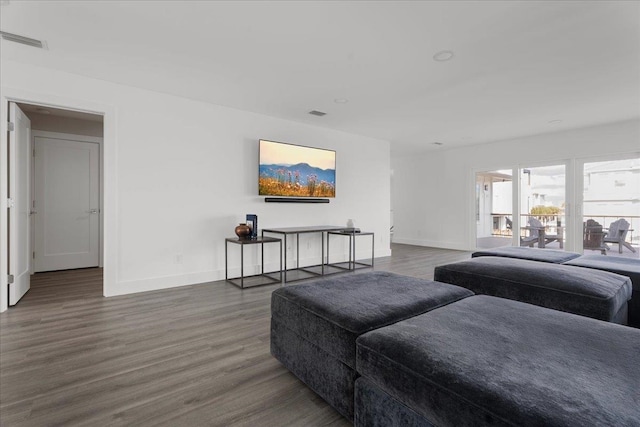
(494, 217)
(65, 193)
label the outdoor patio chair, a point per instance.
(533, 236)
(594, 237)
(529, 240)
(617, 234)
(537, 234)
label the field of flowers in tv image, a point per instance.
(301, 180)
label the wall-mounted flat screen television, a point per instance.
(296, 171)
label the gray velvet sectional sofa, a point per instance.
(314, 326)
(554, 256)
(490, 361)
(592, 293)
(624, 266)
(388, 350)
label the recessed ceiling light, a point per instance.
(443, 55)
(438, 143)
(341, 100)
(317, 113)
(555, 122)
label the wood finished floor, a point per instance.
(190, 356)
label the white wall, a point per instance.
(432, 194)
(187, 172)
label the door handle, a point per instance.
(93, 211)
(32, 213)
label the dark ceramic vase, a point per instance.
(243, 231)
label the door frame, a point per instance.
(574, 188)
(20, 164)
(110, 181)
(77, 138)
(472, 232)
(570, 195)
(579, 193)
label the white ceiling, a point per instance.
(518, 65)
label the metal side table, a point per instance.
(352, 264)
(256, 279)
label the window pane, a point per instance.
(493, 209)
(611, 208)
(542, 203)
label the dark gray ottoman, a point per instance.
(314, 325)
(533, 254)
(491, 361)
(598, 294)
(624, 266)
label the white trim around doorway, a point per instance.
(515, 167)
(574, 185)
(110, 178)
(579, 185)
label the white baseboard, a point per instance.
(432, 244)
(165, 282)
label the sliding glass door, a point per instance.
(583, 205)
(542, 205)
(611, 207)
(494, 219)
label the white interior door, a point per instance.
(19, 186)
(67, 204)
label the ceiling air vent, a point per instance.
(317, 113)
(23, 40)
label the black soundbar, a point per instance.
(294, 200)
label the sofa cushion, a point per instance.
(625, 266)
(533, 254)
(598, 294)
(333, 312)
(491, 361)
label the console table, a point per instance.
(262, 278)
(307, 272)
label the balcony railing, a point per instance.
(501, 223)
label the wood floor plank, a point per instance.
(194, 355)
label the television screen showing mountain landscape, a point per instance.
(296, 171)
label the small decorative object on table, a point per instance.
(350, 227)
(252, 222)
(243, 231)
